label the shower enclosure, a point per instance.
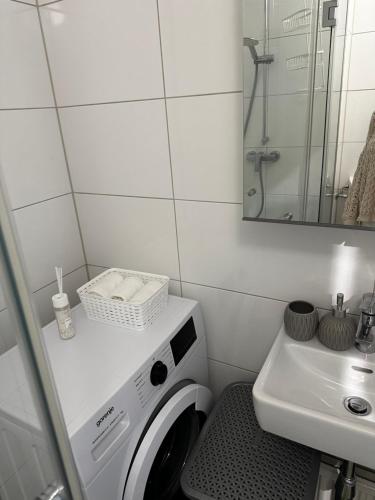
(35, 455)
(292, 59)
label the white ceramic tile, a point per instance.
(7, 336)
(42, 298)
(237, 333)
(253, 13)
(2, 299)
(31, 479)
(364, 16)
(279, 206)
(24, 80)
(287, 175)
(271, 260)
(349, 160)
(132, 233)
(221, 375)
(118, 148)
(206, 147)
(253, 137)
(48, 234)
(362, 52)
(111, 52)
(249, 71)
(287, 75)
(202, 46)
(16, 448)
(31, 156)
(287, 115)
(287, 120)
(359, 108)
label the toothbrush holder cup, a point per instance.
(301, 320)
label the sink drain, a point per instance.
(357, 406)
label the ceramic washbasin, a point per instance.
(300, 393)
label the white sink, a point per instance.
(300, 393)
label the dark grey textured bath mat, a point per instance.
(234, 459)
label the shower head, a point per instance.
(251, 43)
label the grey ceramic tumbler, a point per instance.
(301, 320)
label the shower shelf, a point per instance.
(302, 61)
(298, 20)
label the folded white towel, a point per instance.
(105, 286)
(146, 292)
(125, 290)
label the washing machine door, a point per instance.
(161, 456)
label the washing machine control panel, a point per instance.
(154, 374)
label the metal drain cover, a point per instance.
(357, 406)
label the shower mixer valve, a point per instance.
(258, 157)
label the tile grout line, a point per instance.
(62, 139)
(233, 366)
(156, 198)
(230, 290)
(50, 283)
(169, 143)
(39, 202)
(55, 281)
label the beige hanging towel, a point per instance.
(360, 204)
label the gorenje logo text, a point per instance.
(106, 414)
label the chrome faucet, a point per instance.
(365, 336)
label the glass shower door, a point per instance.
(35, 460)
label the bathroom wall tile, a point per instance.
(202, 46)
(119, 148)
(292, 110)
(279, 206)
(132, 233)
(237, 333)
(249, 71)
(272, 261)
(359, 107)
(111, 52)
(349, 160)
(221, 375)
(287, 175)
(253, 19)
(253, 136)
(49, 236)
(364, 16)
(208, 166)
(7, 335)
(174, 285)
(32, 156)
(42, 298)
(362, 51)
(24, 74)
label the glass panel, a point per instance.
(27, 465)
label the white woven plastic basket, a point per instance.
(125, 314)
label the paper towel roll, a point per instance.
(146, 292)
(105, 286)
(125, 290)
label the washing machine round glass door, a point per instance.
(160, 457)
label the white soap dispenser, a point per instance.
(62, 310)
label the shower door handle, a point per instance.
(328, 19)
(54, 491)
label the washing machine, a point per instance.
(133, 402)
